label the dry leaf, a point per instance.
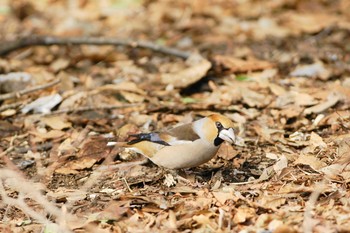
(43, 104)
(59, 64)
(243, 214)
(187, 76)
(123, 86)
(52, 134)
(332, 99)
(74, 100)
(73, 167)
(310, 22)
(254, 99)
(63, 194)
(222, 197)
(227, 152)
(316, 141)
(236, 65)
(272, 202)
(310, 160)
(313, 70)
(56, 122)
(280, 164)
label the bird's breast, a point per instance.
(185, 155)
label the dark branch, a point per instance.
(9, 46)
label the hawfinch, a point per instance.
(187, 145)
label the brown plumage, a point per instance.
(187, 145)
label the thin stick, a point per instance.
(309, 223)
(10, 106)
(10, 46)
(89, 108)
(17, 94)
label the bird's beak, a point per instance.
(227, 135)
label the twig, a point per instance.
(17, 94)
(308, 223)
(126, 184)
(26, 190)
(191, 107)
(10, 106)
(10, 46)
(90, 108)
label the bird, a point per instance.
(185, 146)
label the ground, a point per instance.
(76, 75)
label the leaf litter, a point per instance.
(280, 74)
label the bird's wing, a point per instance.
(184, 132)
(149, 144)
(180, 134)
(158, 138)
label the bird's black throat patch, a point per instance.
(218, 141)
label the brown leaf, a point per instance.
(56, 122)
(7, 129)
(272, 202)
(52, 134)
(114, 211)
(222, 197)
(254, 99)
(63, 194)
(243, 214)
(123, 86)
(236, 65)
(311, 161)
(73, 167)
(187, 76)
(227, 152)
(332, 99)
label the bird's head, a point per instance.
(215, 129)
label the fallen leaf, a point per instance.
(227, 152)
(280, 164)
(73, 167)
(7, 129)
(222, 197)
(204, 220)
(272, 202)
(43, 104)
(236, 65)
(313, 70)
(310, 160)
(243, 214)
(123, 86)
(254, 99)
(310, 22)
(63, 194)
(56, 122)
(52, 134)
(187, 76)
(114, 211)
(332, 99)
(316, 141)
(59, 64)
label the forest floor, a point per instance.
(75, 75)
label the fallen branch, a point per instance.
(189, 108)
(9, 106)
(18, 94)
(90, 108)
(309, 223)
(10, 46)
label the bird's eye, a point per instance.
(219, 125)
